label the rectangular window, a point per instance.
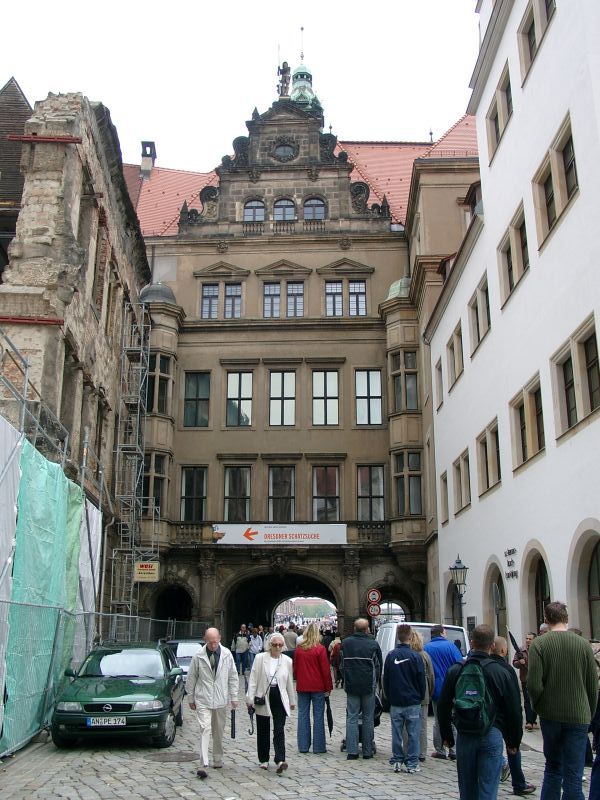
(159, 372)
(237, 494)
(444, 497)
(159, 483)
(479, 313)
(439, 383)
(454, 352)
(555, 182)
(370, 493)
(358, 299)
(536, 19)
(282, 398)
(590, 347)
(233, 300)
(210, 300)
(239, 399)
(403, 368)
(513, 254)
(326, 494)
(569, 384)
(488, 453)
(193, 494)
(325, 397)
(295, 299)
(528, 422)
(271, 298)
(462, 482)
(407, 477)
(282, 494)
(333, 298)
(499, 112)
(368, 397)
(195, 404)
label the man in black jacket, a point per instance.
(404, 687)
(479, 757)
(361, 662)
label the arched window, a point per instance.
(314, 208)
(254, 211)
(284, 210)
(594, 593)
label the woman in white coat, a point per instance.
(272, 694)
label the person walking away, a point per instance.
(272, 695)
(520, 661)
(404, 686)
(416, 643)
(361, 669)
(519, 784)
(335, 659)
(443, 654)
(313, 684)
(255, 646)
(240, 646)
(563, 687)
(486, 705)
(212, 685)
(291, 640)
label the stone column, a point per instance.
(351, 569)
(206, 570)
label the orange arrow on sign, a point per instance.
(250, 534)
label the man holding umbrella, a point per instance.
(212, 684)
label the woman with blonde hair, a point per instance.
(416, 643)
(313, 684)
(272, 695)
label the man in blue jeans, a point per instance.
(443, 654)
(404, 688)
(563, 687)
(479, 757)
(361, 662)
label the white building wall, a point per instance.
(551, 504)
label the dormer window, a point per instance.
(314, 208)
(254, 211)
(284, 210)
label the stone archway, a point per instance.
(254, 596)
(584, 610)
(536, 589)
(495, 612)
(173, 602)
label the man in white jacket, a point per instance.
(212, 684)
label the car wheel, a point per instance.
(167, 737)
(62, 742)
(179, 716)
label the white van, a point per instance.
(386, 635)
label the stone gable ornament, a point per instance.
(222, 246)
(345, 243)
(313, 174)
(254, 175)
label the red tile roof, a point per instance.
(385, 166)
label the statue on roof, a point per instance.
(283, 87)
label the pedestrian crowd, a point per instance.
(477, 700)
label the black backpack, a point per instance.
(474, 707)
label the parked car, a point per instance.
(184, 650)
(124, 690)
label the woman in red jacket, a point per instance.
(313, 684)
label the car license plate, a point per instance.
(105, 722)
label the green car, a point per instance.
(122, 689)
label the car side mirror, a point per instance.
(70, 673)
(175, 671)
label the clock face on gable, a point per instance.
(285, 151)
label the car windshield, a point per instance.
(187, 649)
(131, 663)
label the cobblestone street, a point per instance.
(125, 769)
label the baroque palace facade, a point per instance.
(288, 438)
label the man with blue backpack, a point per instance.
(485, 706)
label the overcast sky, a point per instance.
(188, 75)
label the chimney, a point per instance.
(148, 159)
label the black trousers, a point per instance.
(530, 715)
(263, 729)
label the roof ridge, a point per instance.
(173, 169)
(448, 132)
(384, 141)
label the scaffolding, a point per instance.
(131, 546)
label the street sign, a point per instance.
(373, 609)
(373, 596)
(260, 533)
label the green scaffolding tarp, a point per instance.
(45, 573)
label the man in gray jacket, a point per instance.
(212, 684)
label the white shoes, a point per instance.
(265, 765)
